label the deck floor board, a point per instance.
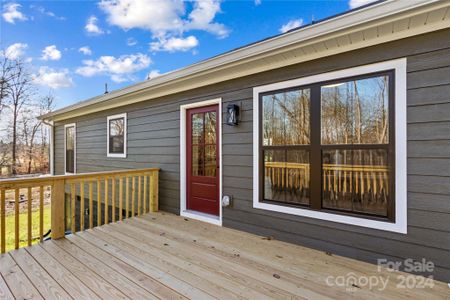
(163, 256)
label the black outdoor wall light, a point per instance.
(232, 114)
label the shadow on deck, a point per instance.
(163, 256)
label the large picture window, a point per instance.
(328, 146)
(70, 149)
(117, 136)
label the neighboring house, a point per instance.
(341, 143)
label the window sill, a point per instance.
(116, 155)
(333, 217)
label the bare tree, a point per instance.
(19, 91)
(6, 76)
(46, 105)
(34, 133)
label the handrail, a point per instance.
(6, 183)
(112, 191)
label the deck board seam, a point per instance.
(45, 270)
(94, 271)
(69, 271)
(118, 258)
(125, 276)
(26, 275)
(80, 279)
(6, 283)
(205, 268)
(208, 268)
(139, 258)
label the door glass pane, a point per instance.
(197, 128)
(210, 160)
(198, 166)
(356, 180)
(286, 118)
(356, 112)
(210, 127)
(286, 176)
(70, 149)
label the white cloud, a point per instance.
(166, 20)
(202, 17)
(85, 50)
(174, 44)
(92, 27)
(257, 2)
(11, 13)
(16, 50)
(358, 3)
(48, 13)
(53, 78)
(51, 53)
(158, 16)
(291, 25)
(119, 69)
(131, 41)
(153, 74)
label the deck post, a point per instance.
(154, 191)
(58, 211)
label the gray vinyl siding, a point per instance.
(153, 141)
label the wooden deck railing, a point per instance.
(118, 195)
(336, 178)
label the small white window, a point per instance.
(117, 136)
(70, 148)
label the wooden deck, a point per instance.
(163, 256)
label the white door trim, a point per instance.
(183, 187)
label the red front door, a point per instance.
(203, 159)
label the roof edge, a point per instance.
(351, 19)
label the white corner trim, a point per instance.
(183, 188)
(74, 125)
(400, 225)
(51, 126)
(125, 137)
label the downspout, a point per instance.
(51, 146)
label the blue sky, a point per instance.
(75, 47)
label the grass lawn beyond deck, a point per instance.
(23, 227)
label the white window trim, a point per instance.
(125, 137)
(183, 188)
(400, 225)
(74, 125)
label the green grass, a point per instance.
(23, 227)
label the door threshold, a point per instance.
(212, 219)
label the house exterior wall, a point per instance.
(154, 139)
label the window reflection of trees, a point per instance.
(286, 118)
(70, 149)
(116, 135)
(286, 124)
(355, 112)
(354, 145)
